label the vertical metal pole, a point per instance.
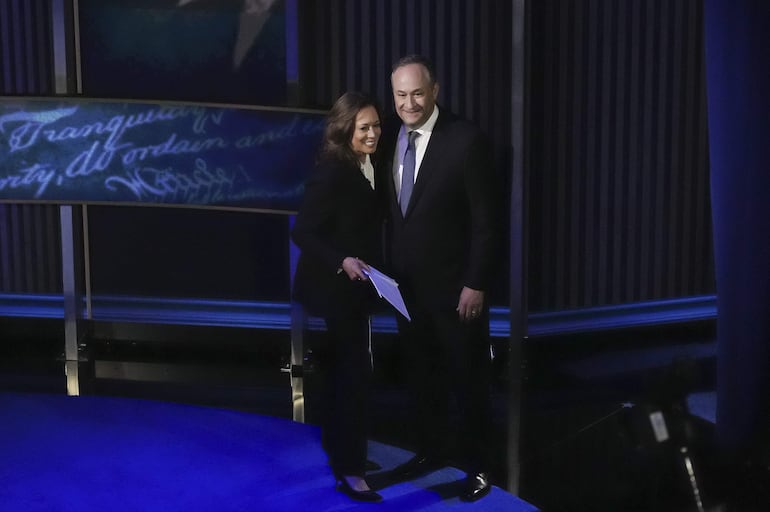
(292, 52)
(65, 35)
(518, 246)
(86, 264)
(69, 288)
(297, 340)
(59, 36)
(297, 348)
(62, 13)
(298, 317)
(76, 41)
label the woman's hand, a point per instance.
(354, 268)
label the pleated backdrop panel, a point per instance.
(30, 259)
(618, 190)
(352, 44)
(26, 57)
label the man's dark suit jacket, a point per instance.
(448, 237)
(339, 217)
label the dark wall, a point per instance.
(617, 148)
(617, 168)
(29, 243)
(174, 252)
(26, 58)
(30, 260)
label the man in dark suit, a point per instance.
(442, 202)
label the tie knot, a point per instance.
(413, 135)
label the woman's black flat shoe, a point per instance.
(367, 496)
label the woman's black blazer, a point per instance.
(339, 217)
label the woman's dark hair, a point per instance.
(340, 124)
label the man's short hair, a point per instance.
(417, 59)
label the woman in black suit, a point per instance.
(338, 230)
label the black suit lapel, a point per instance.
(385, 161)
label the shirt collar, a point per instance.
(368, 170)
(430, 122)
(427, 127)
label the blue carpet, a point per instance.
(90, 454)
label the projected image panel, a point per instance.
(226, 51)
(93, 151)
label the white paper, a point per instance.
(387, 288)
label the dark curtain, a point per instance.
(29, 234)
(618, 193)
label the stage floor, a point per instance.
(92, 453)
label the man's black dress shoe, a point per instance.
(366, 496)
(476, 487)
(415, 467)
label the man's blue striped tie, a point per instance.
(407, 173)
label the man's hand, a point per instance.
(471, 304)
